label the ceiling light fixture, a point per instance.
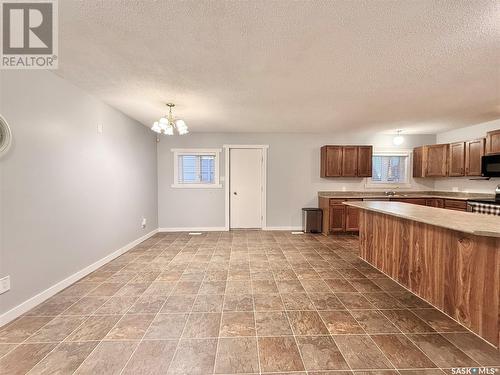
(398, 139)
(167, 124)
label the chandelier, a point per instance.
(167, 124)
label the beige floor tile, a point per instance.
(321, 353)
(22, 328)
(65, 358)
(94, 328)
(20, 360)
(237, 324)
(194, 357)
(130, 327)
(279, 354)
(108, 358)
(237, 355)
(202, 325)
(57, 329)
(151, 358)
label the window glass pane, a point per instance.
(188, 169)
(196, 169)
(389, 169)
(207, 169)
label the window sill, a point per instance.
(196, 186)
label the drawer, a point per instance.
(455, 205)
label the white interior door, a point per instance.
(245, 187)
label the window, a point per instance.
(196, 168)
(390, 169)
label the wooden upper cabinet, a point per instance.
(456, 159)
(474, 150)
(493, 142)
(418, 166)
(436, 160)
(346, 161)
(350, 161)
(365, 154)
(331, 161)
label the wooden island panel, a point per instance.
(458, 273)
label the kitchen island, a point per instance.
(450, 259)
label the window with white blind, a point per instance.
(390, 169)
(196, 168)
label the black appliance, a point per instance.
(490, 165)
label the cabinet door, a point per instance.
(351, 219)
(350, 161)
(474, 150)
(493, 142)
(457, 159)
(436, 160)
(458, 205)
(417, 162)
(337, 218)
(435, 202)
(365, 161)
(331, 161)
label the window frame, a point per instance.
(215, 152)
(370, 184)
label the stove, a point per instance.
(490, 206)
(493, 201)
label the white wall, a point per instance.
(465, 183)
(69, 196)
(292, 177)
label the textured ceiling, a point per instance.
(289, 66)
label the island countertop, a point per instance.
(466, 222)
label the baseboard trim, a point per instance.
(222, 229)
(193, 229)
(56, 288)
(290, 228)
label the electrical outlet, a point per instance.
(99, 128)
(4, 284)
(143, 223)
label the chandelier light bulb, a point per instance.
(398, 140)
(156, 127)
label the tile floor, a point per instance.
(240, 302)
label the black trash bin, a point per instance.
(312, 220)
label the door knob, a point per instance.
(235, 193)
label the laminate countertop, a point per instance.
(403, 194)
(466, 222)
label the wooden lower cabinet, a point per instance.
(435, 202)
(351, 219)
(452, 204)
(420, 201)
(337, 218)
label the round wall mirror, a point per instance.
(5, 136)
